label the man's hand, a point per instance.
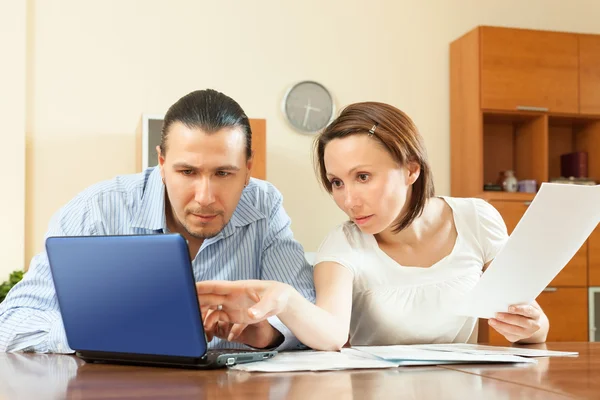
(260, 335)
(521, 323)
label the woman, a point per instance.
(391, 274)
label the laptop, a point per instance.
(132, 299)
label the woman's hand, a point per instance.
(524, 323)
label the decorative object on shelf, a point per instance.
(574, 164)
(510, 184)
(13, 279)
(308, 107)
(492, 187)
(528, 186)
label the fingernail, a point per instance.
(499, 316)
(492, 322)
(254, 312)
(512, 309)
(230, 337)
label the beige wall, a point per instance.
(12, 135)
(98, 65)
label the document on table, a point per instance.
(555, 225)
(316, 361)
(483, 349)
(416, 355)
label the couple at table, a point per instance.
(389, 275)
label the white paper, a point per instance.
(483, 349)
(554, 227)
(415, 354)
(315, 361)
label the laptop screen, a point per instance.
(127, 294)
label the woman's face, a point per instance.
(367, 183)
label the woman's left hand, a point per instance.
(522, 323)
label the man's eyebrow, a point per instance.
(183, 165)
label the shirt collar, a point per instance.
(151, 214)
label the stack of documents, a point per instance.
(367, 357)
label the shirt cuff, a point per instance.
(290, 342)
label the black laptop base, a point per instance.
(217, 358)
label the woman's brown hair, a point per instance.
(397, 133)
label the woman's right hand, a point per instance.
(240, 303)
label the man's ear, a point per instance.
(161, 162)
(249, 166)
(161, 157)
(414, 171)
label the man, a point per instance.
(235, 225)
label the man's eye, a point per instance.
(186, 172)
(223, 173)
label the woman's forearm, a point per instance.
(312, 325)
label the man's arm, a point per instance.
(283, 261)
(30, 319)
(29, 316)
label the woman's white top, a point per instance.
(402, 304)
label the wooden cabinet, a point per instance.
(519, 100)
(594, 257)
(567, 310)
(589, 74)
(527, 69)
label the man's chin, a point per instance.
(203, 233)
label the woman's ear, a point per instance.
(414, 171)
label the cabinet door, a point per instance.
(567, 311)
(523, 68)
(589, 74)
(575, 272)
(594, 257)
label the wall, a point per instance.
(96, 66)
(12, 116)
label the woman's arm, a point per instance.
(325, 324)
(321, 326)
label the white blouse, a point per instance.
(400, 304)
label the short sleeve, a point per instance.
(491, 229)
(339, 247)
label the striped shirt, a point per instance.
(257, 243)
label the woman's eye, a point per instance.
(336, 183)
(363, 177)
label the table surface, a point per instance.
(41, 376)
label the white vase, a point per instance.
(510, 183)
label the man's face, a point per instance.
(204, 176)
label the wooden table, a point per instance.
(38, 376)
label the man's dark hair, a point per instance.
(209, 111)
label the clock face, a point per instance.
(308, 106)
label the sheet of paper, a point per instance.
(410, 353)
(554, 227)
(483, 349)
(315, 361)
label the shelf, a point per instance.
(507, 196)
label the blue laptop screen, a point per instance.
(127, 294)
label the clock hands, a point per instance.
(308, 108)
